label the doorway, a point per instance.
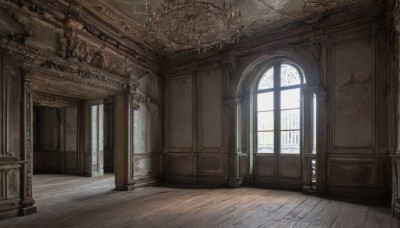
(74, 140)
(55, 140)
(278, 126)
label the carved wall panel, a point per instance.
(210, 111)
(181, 113)
(353, 92)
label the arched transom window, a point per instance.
(278, 113)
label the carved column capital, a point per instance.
(137, 100)
(28, 75)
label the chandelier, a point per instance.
(193, 24)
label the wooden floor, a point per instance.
(65, 201)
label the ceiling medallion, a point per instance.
(194, 24)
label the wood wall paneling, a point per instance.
(180, 164)
(264, 166)
(181, 113)
(353, 172)
(210, 111)
(12, 180)
(353, 93)
(71, 141)
(212, 165)
(290, 167)
(145, 165)
(13, 97)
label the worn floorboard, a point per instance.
(68, 201)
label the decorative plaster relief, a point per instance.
(138, 99)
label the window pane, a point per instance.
(290, 99)
(267, 80)
(265, 142)
(289, 76)
(290, 119)
(265, 121)
(290, 142)
(265, 101)
(314, 124)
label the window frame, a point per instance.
(276, 90)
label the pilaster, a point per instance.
(234, 179)
(27, 201)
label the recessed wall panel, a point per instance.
(211, 109)
(181, 112)
(212, 165)
(13, 183)
(264, 166)
(180, 165)
(353, 107)
(352, 173)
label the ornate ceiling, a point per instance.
(257, 15)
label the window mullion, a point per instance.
(277, 107)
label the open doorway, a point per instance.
(74, 140)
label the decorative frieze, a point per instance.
(82, 75)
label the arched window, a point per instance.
(278, 109)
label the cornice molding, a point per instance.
(62, 17)
(124, 24)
